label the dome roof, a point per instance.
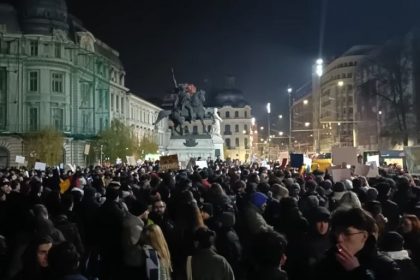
(42, 16)
(8, 17)
(230, 97)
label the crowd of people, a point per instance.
(222, 222)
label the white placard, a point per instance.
(87, 149)
(373, 170)
(20, 160)
(344, 154)
(201, 164)
(118, 161)
(41, 166)
(131, 160)
(374, 158)
(341, 174)
(361, 169)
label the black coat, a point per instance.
(373, 266)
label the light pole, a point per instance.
(289, 91)
(268, 128)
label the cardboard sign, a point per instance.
(87, 149)
(361, 169)
(201, 164)
(283, 163)
(374, 158)
(321, 164)
(20, 160)
(131, 160)
(41, 166)
(341, 174)
(169, 163)
(296, 160)
(373, 170)
(344, 154)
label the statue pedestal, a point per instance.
(194, 146)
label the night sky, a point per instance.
(265, 44)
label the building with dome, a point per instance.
(55, 73)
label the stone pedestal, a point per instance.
(194, 146)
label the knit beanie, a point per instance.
(392, 241)
(258, 199)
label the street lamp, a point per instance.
(262, 128)
(340, 83)
(280, 116)
(268, 118)
(307, 124)
(289, 91)
(280, 133)
(305, 102)
(319, 68)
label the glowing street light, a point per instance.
(319, 68)
(269, 108)
(340, 83)
(307, 124)
(380, 112)
(280, 116)
(280, 133)
(305, 102)
(253, 121)
(262, 128)
(289, 90)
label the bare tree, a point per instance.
(390, 68)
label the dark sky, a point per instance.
(266, 44)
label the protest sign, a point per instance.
(344, 154)
(41, 166)
(201, 164)
(373, 170)
(341, 174)
(131, 160)
(169, 163)
(374, 158)
(296, 160)
(321, 164)
(20, 160)
(361, 169)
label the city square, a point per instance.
(209, 140)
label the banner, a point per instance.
(169, 163)
(41, 166)
(344, 154)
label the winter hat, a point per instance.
(258, 199)
(279, 191)
(320, 214)
(339, 187)
(227, 219)
(371, 194)
(392, 241)
(348, 184)
(138, 207)
(111, 194)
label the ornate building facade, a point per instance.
(55, 73)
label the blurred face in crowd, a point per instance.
(42, 254)
(159, 208)
(351, 238)
(407, 226)
(322, 227)
(5, 188)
